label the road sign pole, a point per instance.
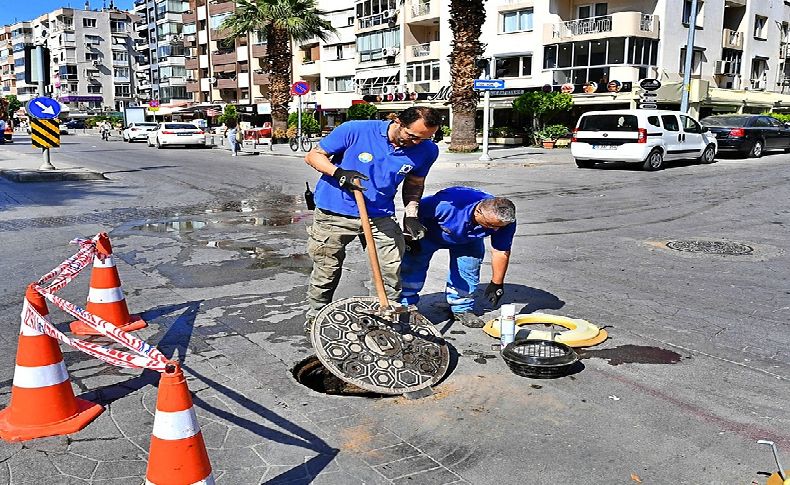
(484, 157)
(46, 164)
(299, 118)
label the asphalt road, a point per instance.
(212, 252)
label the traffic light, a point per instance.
(482, 64)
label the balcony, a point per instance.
(193, 87)
(219, 34)
(784, 51)
(621, 24)
(260, 78)
(259, 50)
(423, 52)
(423, 12)
(223, 58)
(191, 63)
(732, 39)
(227, 83)
(310, 68)
(215, 8)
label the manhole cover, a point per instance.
(711, 247)
(381, 355)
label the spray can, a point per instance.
(507, 324)
(309, 198)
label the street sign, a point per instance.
(488, 84)
(648, 106)
(33, 56)
(43, 108)
(300, 88)
(153, 105)
(648, 94)
(44, 133)
(650, 84)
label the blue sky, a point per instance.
(18, 10)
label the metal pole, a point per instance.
(684, 96)
(299, 118)
(486, 116)
(46, 163)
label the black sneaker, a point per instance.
(469, 319)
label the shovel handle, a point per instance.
(373, 256)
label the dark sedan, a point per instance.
(750, 135)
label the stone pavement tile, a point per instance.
(389, 454)
(407, 466)
(293, 453)
(5, 473)
(51, 444)
(74, 465)
(437, 476)
(131, 469)
(132, 423)
(119, 449)
(362, 439)
(102, 428)
(280, 475)
(238, 458)
(250, 476)
(31, 467)
(215, 435)
(8, 449)
(338, 478)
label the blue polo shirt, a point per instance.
(448, 217)
(363, 146)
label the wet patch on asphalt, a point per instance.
(632, 354)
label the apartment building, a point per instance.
(161, 72)
(7, 75)
(91, 58)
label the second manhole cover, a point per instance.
(726, 248)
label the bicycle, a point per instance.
(301, 141)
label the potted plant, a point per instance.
(548, 135)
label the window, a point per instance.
(258, 37)
(121, 72)
(517, 21)
(696, 62)
(370, 45)
(91, 56)
(342, 84)
(687, 13)
(653, 120)
(91, 23)
(516, 66)
(117, 26)
(67, 72)
(761, 122)
(94, 88)
(759, 73)
(92, 39)
(189, 29)
(123, 90)
(587, 11)
(609, 123)
(422, 71)
(172, 71)
(760, 31)
(120, 56)
(216, 20)
(670, 123)
(372, 12)
(690, 125)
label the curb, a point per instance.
(24, 176)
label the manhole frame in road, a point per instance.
(722, 248)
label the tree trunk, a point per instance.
(280, 76)
(466, 22)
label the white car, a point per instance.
(138, 131)
(647, 137)
(174, 133)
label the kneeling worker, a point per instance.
(459, 219)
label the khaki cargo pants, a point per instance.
(329, 236)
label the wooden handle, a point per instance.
(373, 255)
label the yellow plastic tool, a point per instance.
(580, 333)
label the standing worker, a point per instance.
(2, 131)
(459, 219)
(232, 132)
(381, 155)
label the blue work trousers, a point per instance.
(462, 279)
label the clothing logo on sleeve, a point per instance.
(365, 157)
(405, 168)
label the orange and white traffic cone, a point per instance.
(177, 455)
(42, 400)
(105, 296)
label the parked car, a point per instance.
(170, 133)
(64, 129)
(75, 124)
(750, 135)
(647, 137)
(138, 131)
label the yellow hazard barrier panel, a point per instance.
(580, 333)
(45, 133)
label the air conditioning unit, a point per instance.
(389, 52)
(390, 14)
(388, 90)
(212, 80)
(723, 67)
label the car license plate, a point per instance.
(604, 147)
(184, 134)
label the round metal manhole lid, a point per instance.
(726, 248)
(387, 356)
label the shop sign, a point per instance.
(650, 84)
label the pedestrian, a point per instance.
(2, 131)
(380, 154)
(459, 219)
(232, 132)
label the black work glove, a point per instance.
(413, 246)
(413, 227)
(346, 178)
(494, 292)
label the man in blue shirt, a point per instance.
(380, 155)
(459, 219)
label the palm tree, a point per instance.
(466, 22)
(281, 21)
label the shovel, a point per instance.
(368, 342)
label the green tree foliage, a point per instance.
(783, 117)
(13, 104)
(310, 125)
(229, 115)
(362, 111)
(542, 107)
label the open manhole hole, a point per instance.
(711, 247)
(311, 373)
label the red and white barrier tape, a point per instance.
(69, 269)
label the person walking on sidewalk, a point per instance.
(2, 131)
(459, 219)
(381, 155)
(232, 132)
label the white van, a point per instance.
(640, 136)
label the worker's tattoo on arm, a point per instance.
(412, 193)
(320, 150)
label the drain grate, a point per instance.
(711, 247)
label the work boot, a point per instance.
(469, 319)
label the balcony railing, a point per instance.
(594, 25)
(617, 24)
(784, 51)
(732, 39)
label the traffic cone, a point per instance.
(105, 297)
(177, 455)
(42, 400)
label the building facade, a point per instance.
(7, 74)
(158, 40)
(91, 58)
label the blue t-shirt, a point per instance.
(363, 146)
(448, 217)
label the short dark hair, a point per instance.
(501, 208)
(430, 116)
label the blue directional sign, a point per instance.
(488, 84)
(43, 108)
